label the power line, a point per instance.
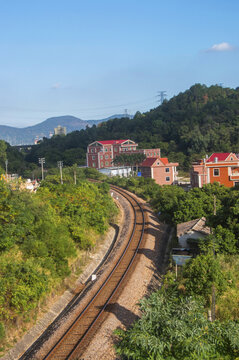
(79, 109)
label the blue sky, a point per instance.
(92, 59)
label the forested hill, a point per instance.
(201, 120)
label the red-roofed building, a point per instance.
(159, 169)
(219, 167)
(100, 154)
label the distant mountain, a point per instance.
(27, 135)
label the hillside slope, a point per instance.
(27, 135)
(201, 120)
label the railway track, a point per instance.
(72, 343)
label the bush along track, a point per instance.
(40, 235)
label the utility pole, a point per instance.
(213, 286)
(42, 162)
(162, 95)
(60, 165)
(6, 163)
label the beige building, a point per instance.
(60, 130)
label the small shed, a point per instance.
(194, 229)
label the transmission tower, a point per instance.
(126, 113)
(162, 95)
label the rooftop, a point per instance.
(193, 225)
(112, 142)
(219, 156)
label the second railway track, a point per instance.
(73, 342)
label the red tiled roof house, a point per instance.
(159, 169)
(219, 167)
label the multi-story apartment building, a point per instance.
(60, 130)
(101, 154)
(219, 167)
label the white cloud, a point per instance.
(224, 46)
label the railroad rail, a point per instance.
(73, 342)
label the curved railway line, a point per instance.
(73, 342)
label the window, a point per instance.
(93, 164)
(102, 164)
(134, 148)
(106, 156)
(101, 157)
(154, 154)
(93, 157)
(167, 169)
(216, 172)
(157, 153)
(92, 150)
(106, 163)
(116, 149)
(167, 178)
(106, 149)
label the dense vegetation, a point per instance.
(201, 120)
(175, 327)
(174, 322)
(40, 234)
(16, 163)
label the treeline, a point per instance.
(41, 234)
(201, 120)
(15, 160)
(174, 322)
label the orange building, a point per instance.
(219, 167)
(159, 169)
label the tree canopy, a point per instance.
(201, 120)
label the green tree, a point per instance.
(174, 327)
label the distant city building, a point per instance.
(101, 154)
(222, 168)
(60, 130)
(159, 169)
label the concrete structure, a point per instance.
(100, 154)
(159, 169)
(60, 130)
(117, 171)
(219, 167)
(194, 229)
